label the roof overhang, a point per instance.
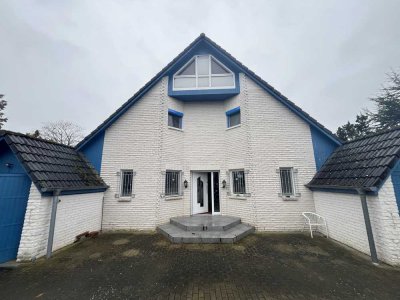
(203, 42)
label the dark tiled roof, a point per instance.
(246, 70)
(53, 166)
(363, 163)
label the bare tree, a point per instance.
(3, 104)
(63, 132)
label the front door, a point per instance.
(200, 193)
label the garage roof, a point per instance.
(363, 163)
(52, 166)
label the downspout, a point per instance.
(55, 201)
(368, 227)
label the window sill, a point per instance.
(239, 196)
(177, 197)
(233, 127)
(126, 199)
(174, 128)
(290, 198)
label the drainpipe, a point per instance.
(55, 201)
(368, 227)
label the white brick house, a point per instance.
(208, 136)
(270, 134)
(206, 122)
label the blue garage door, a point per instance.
(14, 192)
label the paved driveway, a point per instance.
(262, 266)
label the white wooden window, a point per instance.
(172, 183)
(287, 181)
(238, 182)
(126, 186)
(203, 72)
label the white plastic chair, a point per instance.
(313, 219)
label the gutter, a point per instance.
(50, 239)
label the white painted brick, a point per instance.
(346, 222)
(270, 136)
(75, 214)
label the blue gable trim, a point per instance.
(175, 113)
(203, 43)
(322, 146)
(93, 151)
(395, 175)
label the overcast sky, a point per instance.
(80, 60)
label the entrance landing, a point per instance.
(205, 229)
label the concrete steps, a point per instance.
(205, 229)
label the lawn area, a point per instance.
(146, 265)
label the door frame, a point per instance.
(212, 193)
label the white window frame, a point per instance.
(120, 175)
(232, 182)
(293, 174)
(179, 184)
(210, 75)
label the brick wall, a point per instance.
(75, 214)
(345, 221)
(270, 136)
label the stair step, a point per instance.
(205, 222)
(178, 235)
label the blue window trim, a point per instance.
(231, 112)
(177, 114)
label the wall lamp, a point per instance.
(185, 184)
(223, 183)
(9, 165)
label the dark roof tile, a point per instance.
(51, 165)
(363, 163)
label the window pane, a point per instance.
(203, 82)
(203, 65)
(172, 183)
(234, 119)
(189, 70)
(216, 68)
(239, 185)
(286, 181)
(126, 183)
(185, 82)
(174, 121)
(217, 81)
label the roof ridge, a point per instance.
(4, 132)
(373, 135)
(202, 37)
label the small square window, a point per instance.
(287, 182)
(175, 119)
(238, 182)
(126, 183)
(172, 183)
(233, 117)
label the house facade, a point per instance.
(206, 135)
(226, 146)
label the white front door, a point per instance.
(200, 193)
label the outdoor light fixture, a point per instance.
(223, 183)
(185, 183)
(9, 165)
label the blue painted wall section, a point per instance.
(323, 147)
(7, 157)
(14, 193)
(93, 151)
(396, 183)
